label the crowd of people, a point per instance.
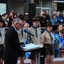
(52, 37)
(44, 17)
(56, 18)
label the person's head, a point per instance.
(62, 31)
(11, 13)
(21, 16)
(42, 14)
(60, 34)
(63, 14)
(35, 21)
(5, 16)
(24, 22)
(17, 23)
(47, 12)
(27, 26)
(49, 26)
(15, 15)
(55, 28)
(54, 16)
(60, 27)
(58, 14)
(1, 22)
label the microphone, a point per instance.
(26, 31)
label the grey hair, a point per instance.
(16, 20)
(58, 12)
(41, 13)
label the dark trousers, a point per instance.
(56, 53)
(6, 62)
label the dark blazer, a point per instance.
(42, 23)
(10, 20)
(12, 46)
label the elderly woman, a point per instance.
(48, 40)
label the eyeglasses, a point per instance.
(20, 24)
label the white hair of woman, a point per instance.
(41, 13)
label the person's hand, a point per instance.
(46, 20)
(55, 46)
(61, 20)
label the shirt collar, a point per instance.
(48, 32)
(34, 27)
(14, 28)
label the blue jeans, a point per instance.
(56, 53)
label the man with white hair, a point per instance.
(58, 18)
(12, 44)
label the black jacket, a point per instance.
(42, 23)
(12, 46)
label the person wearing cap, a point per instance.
(48, 41)
(56, 43)
(2, 38)
(36, 39)
(21, 35)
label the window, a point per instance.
(2, 8)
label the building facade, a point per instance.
(51, 5)
(41, 5)
(15, 5)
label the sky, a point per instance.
(2, 8)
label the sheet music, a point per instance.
(30, 46)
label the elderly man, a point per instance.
(12, 44)
(58, 18)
